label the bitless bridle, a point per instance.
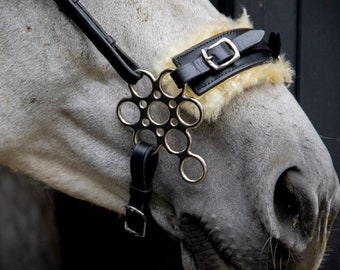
(201, 67)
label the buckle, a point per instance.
(209, 58)
(139, 213)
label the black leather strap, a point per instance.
(119, 60)
(219, 57)
(143, 165)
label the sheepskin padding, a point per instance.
(213, 101)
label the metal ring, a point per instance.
(151, 115)
(161, 78)
(143, 73)
(180, 117)
(120, 114)
(202, 163)
(172, 150)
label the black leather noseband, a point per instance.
(218, 58)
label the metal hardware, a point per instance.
(139, 213)
(161, 118)
(209, 58)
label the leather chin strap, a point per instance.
(142, 166)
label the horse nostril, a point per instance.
(286, 204)
(294, 206)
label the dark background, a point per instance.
(89, 237)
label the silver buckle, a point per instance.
(209, 58)
(140, 213)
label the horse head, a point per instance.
(270, 194)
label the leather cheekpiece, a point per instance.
(119, 60)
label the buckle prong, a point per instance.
(209, 58)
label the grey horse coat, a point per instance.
(271, 193)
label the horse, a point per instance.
(270, 193)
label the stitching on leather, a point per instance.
(194, 48)
(226, 73)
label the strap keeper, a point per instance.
(141, 195)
